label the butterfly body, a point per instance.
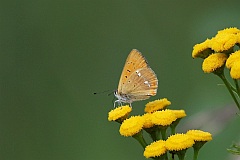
(138, 81)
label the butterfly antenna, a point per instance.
(112, 92)
(104, 92)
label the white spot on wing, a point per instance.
(138, 73)
(147, 83)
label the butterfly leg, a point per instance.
(130, 104)
(119, 103)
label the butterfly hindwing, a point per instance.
(141, 84)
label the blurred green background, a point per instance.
(55, 54)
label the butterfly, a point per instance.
(137, 82)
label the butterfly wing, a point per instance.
(135, 60)
(141, 84)
(138, 81)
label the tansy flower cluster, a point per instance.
(216, 52)
(220, 52)
(156, 121)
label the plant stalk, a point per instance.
(229, 89)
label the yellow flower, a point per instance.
(131, 126)
(233, 63)
(155, 149)
(202, 50)
(179, 142)
(238, 38)
(223, 42)
(163, 118)
(234, 57)
(157, 105)
(148, 122)
(198, 135)
(179, 113)
(235, 70)
(231, 30)
(213, 62)
(119, 113)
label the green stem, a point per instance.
(173, 130)
(158, 133)
(153, 136)
(195, 154)
(237, 87)
(229, 89)
(174, 125)
(140, 139)
(153, 132)
(197, 146)
(165, 156)
(163, 132)
(181, 154)
(172, 156)
(162, 157)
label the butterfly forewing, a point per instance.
(135, 60)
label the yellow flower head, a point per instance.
(202, 50)
(234, 57)
(163, 118)
(231, 30)
(148, 120)
(238, 38)
(213, 62)
(179, 142)
(119, 113)
(131, 126)
(235, 70)
(233, 63)
(179, 113)
(157, 105)
(155, 149)
(198, 135)
(223, 42)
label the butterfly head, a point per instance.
(122, 98)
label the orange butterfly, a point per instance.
(137, 82)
